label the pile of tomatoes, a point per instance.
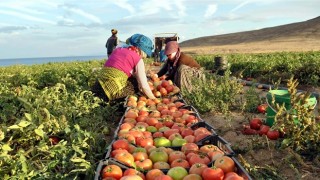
(165, 139)
(256, 126)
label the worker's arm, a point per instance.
(142, 80)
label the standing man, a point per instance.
(112, 41)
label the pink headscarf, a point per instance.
(172, 47)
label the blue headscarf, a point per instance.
(142, 42)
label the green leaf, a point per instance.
(24, 123)
(28, 116)
(6, 147)
(39, 132)
(76, 159)
(23, 162)
(14, 127)
(285, 142)
(77, 127)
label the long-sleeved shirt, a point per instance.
(130, 63)
(111, 43)
(171, 70)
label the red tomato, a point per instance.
(225, 163)
(167, 133)
(117, 151)
(189, 147)
(255, 123)
(161, 165)
(153, 174)
(201, 130)
(163, 177)
(112, 171)
(186, 132)
(176, 155)
(180, 163)
(192, 177)
(273, 134)
(144, 164)
(132, 171)
(197, 168)
(121, 144)
(169, 88)
(213, 155)
(202, 136)
(232, 176)
(157, 134)
(197, 158)
(164, 83)
(264, 130)
(143, 113)
(163, 91)
(140, 156)
(109, 178)
(248, 131)
(190, 138)
(54, 140)
(152, 121)
(262, 108)
(129, 137)
(208, 148)
(131, 177)
(125, 158)
(212, 173)
(143, 142)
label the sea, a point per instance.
(44, 60)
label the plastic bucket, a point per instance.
(282, 97)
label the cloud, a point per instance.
(10, 29)
(125, 5)
(20, 8)
(240, 5)
(82, 13)
(26, 17)
(181, 7)
(212, 8)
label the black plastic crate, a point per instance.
(240, 170)
(218, 141)
(205, 125)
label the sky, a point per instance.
(54, 28)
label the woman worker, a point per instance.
(180, 67)
(124, 73)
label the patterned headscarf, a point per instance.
(172, 47)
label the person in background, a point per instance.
(163, 57)
(124, 73)
(112, 41)
(180, 67)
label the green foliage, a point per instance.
(268, 67)
(39, 101)
(216, 94)
(251, 100)
(302, 132)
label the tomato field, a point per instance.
(53, 127)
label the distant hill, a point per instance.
(300, 36)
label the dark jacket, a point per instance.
(170, 70)
(111, 44)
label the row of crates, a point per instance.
(212, 139)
